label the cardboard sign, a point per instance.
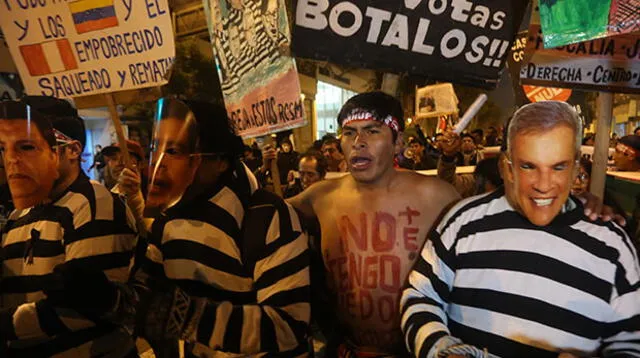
(452, 41)
(87, 47)
(259, 81)
(607, 64)
(572, 21)
(436, 100)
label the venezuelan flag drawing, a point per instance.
(48, 57)
(92, 15)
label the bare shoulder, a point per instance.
(431, 188)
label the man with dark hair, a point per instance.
(312, 168)
(373, 222)
(333, 152)
(61, 220)
(478, 137)
(637, 131)
(226, 268)
(128, 176)
(487, 175)
(249, 159)
(627, 154)
(419, 160)
(470, 153)
(523, 272)
(492, 140)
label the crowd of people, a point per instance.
(195, 254)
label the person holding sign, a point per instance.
(226, 267)
(61, 221)
(522, 271)
(373, 222)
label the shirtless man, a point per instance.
(373, 224)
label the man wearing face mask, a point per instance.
(62, 220)
(226, 268)
(525, 273)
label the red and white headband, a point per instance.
(361, 115)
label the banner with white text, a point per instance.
(459, 41)
(87, 47)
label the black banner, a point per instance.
(460, 41)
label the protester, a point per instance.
(487, 175)
(470, 154)
(419, 160)
(226, 268)
(98, 162)
(438, 139)
(522, 272)
(129, 177)
(61, 220)
(287, 159)
(311, 169)
(627, 154)
(583, 179)
(478, 137)
(115, 160)
(451, 157)
(373, 222)
(333, 152)
(249, 158)
(491, 139)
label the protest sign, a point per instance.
(436, 100)
(259, 80)
(572, 21)
(452, 41)
(87, 47)
(607, 64)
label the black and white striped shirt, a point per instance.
(494, 280)
(87, 224)
(257, 305)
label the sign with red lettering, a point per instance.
(607, 64)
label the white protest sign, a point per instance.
(87, 47)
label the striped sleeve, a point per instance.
(622, 337)
(102, 237)
(278, 321)
(424, 299)
(105, 234)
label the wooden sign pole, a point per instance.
(122, 142)
(601, 147)
(275, 172)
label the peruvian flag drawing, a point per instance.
(48, 57)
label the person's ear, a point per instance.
(75, 150)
